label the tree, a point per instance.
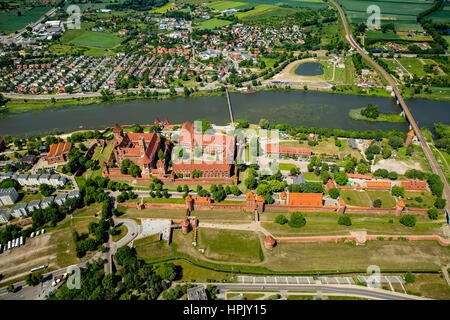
(264, 123)
(168, 271)
(398, 191)
(436, 185)
(341, 178)
(393, 175)
(46, 190)
(377, 203)
(409, 278)
(134, 170)
(334, 193)
(33, 279)
(345, 220)
(395, 142)
(281, 219)
(408, 220)
(160, 154)
(433, 214)
(440, 203)
(10, 288)
(297, 220)
(387, 152)
(250, 182)
(370, 111)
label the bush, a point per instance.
(440, 203)
(433, 214)
(344, 220)
(377, 203)
(297, 220)
(281, 219)
(334, 193)
(393, 175)
(409, 278)
(408, 220)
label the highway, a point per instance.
(344, 289)
(426, 149)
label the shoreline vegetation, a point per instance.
(355, 114)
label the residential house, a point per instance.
(8, 196)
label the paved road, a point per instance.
(355, 290)
(133, 230)
(426, 149)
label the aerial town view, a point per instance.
(224, 150)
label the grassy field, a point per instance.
(101, 40)
(355, 114)
(212, 24)
(387, 201)
(430, 285)
(123, 232)
(224, 5)
(287, 166)
(230, 245)
(164, 8)
(258, 9)
(355, 198)
(442, 15)
(402, 14)
(11, 21)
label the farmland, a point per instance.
(224, 5)
(402, 14)
(212, 24)
(11, 21)
(96, 40)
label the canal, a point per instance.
(297, 108)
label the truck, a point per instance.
(9, 245)
(32, 235)
(21, 241)
(43, 231)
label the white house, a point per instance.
(44, 179)
(47, 201)
(23, 179)
(34, 205)
(60, 199)
(8, 196)
(33, 179)
(19, 210)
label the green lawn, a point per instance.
(10, 21)
(287, 166)
(212, 24)
(387, 201)
(355, 198)
(230, 245)
(123, 231)
(427, 199)
(101, 40)
(224, 5)
(258, 9)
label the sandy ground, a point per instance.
(19, 261)
(395, 165)
(288, 75)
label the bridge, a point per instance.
(426, 149)
(412, 123)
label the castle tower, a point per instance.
(251, 203)
(341, 206)
(269, 242)
(399, 207)
(185, 226)
(260, 204)
(189, 203)
(409, 138)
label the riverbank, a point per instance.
(355, 114)
(40, 103)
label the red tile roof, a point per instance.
(305, 199)
(359, 176)
(414, 185)
(378, 185)
(288, 150)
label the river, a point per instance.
(309, 109)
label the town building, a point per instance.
(378, 185)
(5, 215)
(414, 185)
(288, 151)
(8, 196)
(305, 199)
(220, 147)
(140, 148)
(33, 205)
(19, 210)
(58, 152)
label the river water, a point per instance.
(309, 109)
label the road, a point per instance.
(426, 149)
(344, 289)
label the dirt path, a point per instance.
(288, 75)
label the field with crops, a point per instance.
(224, 5)
(11, 21)
(402, 13)
(442, 15)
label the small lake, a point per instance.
(309, 69)
(296, 108)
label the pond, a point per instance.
(309, 69)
